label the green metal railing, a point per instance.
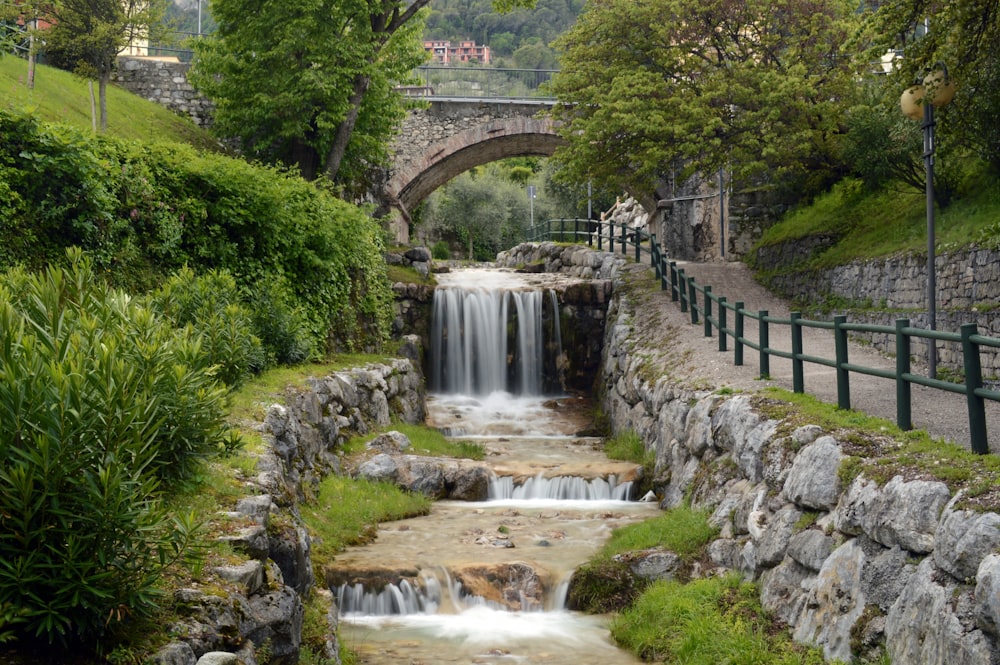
(713, 311)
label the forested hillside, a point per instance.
(529, 31)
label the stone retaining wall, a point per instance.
(262, 601)
(164, 81)
(967, 281)
(849, 567)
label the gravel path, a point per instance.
(940, 413)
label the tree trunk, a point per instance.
(346, 128)
(103, 87)
(93, 106)
(31, 57)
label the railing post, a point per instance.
(973, 382)
(673, 281)
(638, 242)
(798, 369)
(904, 417)
(611, 237)
(722, 323)
(624, 243)
(682, 289)
(590, 234)
(738, 336)
(843, 376)
(562, 229)
(706, 311)
(664, 268)
(654, 259)
(693, 300)
(576, 229)
(764, 341)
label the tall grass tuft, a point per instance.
(706, 622)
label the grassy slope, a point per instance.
(61, 97)
(874, 224)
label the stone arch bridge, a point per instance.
(450, 137)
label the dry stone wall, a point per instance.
(850, 567)
(262, 602)
(879, 291)
(164, 81)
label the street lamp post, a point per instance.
(918, 102)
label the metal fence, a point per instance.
(728, 319)
(480, 83)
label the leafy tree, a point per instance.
(962, 34)
(87, 36)
(310, 83)
(753, 86)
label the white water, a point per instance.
(554, 500)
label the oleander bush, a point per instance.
(104, 405)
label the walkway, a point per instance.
(942, 414)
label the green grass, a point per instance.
(683, 531)
(876, 224)
(705, 622)
(347, 511)
(425, 441)
(61, 97)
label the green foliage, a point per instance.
(326, 53)
(687, 91)
(504, 33)
(682, 530)
(211, 306)
(963, 36)
(102, 404)
(440, 251)
(482, 210)
(86, 36)
(145, 210)
(705, 622)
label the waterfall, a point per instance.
(565, 488)
(490, 339)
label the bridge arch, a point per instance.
(449, 138)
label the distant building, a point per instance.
(465, 51)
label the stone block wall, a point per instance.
(968, 291)
(164, 81)
(848, 567)
(262, 602)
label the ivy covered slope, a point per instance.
(141, 211)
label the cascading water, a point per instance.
(487, 581)
(489, 338)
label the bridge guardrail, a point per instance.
(480, 82)
(714, 309)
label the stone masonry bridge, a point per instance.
(451, 136)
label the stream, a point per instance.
(486, 581)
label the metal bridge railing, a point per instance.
(714, 311)
(480, 83)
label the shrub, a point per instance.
(441, 251)
(143, 211)
(210, 305)
(102, 406)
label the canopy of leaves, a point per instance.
(282, 75)
(755, 86)
(964, 35)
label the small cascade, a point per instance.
(562, 488)
(393, 599)
(404, 598)
(492, 338)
